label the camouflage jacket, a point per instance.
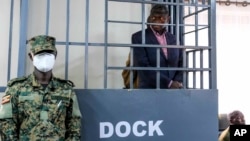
(32, 112)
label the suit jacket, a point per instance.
(147, 57)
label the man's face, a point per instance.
(159, 19)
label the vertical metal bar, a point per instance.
(67, 40)
(196, 37)
(158, 67)
(177, 32)
(194, 72)
(86, 45)
(212, 43)
(187, 72)
(105, 42)
(201, 72)
(10, 39)
(131, 77)
(22, 39)
(189, 8)
(143, 19)
(47, 17)
(184, 65)
(185, 55)
(172, 18)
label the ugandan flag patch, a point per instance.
(5, 99)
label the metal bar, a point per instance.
(196, 41)
(189, 8)
(166, 24)
(196, 12)
(195, 30)
(161, 68)
(194, 73)
(131, 77)
(105, 43)
(22, 39)
(172, 18)
(177, 18)
(201, 72)
(86, 61)
(132, 45)
(10, 38)
(195, 50)
(187, 64)
(47, 17)
(212, 43)
(159, 2)
(143, 10)
(158, 67)
(184, 66)
(67, 40)
(185, 54)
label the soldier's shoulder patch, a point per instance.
(15, 80)
(5, 99)
(66, 81)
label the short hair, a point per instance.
(159, 9)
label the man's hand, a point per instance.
(176, 85)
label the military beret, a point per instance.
(42, 43)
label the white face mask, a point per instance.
(44, 62)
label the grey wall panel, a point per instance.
(175, 115)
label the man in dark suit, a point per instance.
(157, 34)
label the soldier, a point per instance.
(40, 106)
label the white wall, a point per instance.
(4, 39)
(233, 58)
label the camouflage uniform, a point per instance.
(32, 112)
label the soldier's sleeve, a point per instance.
(8, 115)
(73, 120)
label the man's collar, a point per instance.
(157, 33)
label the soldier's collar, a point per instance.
(52, 85)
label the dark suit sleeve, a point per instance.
(179, 74)
(140, 56)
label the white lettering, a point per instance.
(135, 128)
(243, 131)
(240, 132)
(110, 128)
(118, 129)
(154, 127)
(123, 129)
(237, 132)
